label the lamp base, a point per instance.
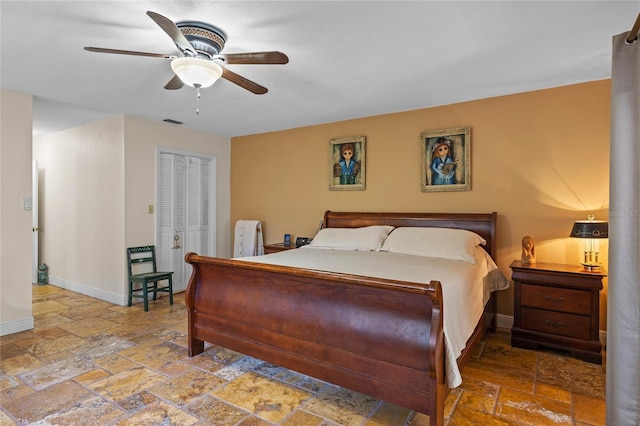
(591, 267)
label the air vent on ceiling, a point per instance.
(168, 120)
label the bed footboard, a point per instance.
(383, 338)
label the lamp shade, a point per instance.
(590, 229)
(196, 72)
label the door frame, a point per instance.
(35, 227)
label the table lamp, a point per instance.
(591, 231)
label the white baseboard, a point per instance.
(116, 299)
(16, 326)
(506, 321)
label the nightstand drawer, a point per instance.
(576, 326)
(556, 299)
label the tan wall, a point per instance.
(15, 222)
(540, 159)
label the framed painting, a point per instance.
(347, 164)
(446, 160)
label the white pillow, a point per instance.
(447, 243)
(365, 238)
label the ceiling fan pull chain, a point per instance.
(197, 86)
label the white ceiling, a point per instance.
(347, 59)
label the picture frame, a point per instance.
(347, 163)
(446, 160)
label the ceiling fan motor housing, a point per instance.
(206, 39)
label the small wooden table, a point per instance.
(557, 306)
(276, 247)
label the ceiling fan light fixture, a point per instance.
(196, 72)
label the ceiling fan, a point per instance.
(201, 63)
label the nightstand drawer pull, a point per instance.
(551, 299)
(553, 324)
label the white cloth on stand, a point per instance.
(248, 239)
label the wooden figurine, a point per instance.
(528, 250)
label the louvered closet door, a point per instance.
(197, 218)
(185, 203)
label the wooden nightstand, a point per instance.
(557, 306)
(276, 247)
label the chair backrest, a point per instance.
(141, 259)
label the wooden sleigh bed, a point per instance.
(380, 337)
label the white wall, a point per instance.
(97, 182)
(142, 138)
(82, 207)
(16, 111)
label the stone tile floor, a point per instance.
(88, 362)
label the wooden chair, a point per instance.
(145, 257)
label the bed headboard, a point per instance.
(483, 224)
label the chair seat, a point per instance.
(151, 276)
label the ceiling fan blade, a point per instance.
(129, 52)
(169, 27)
(174, 83)
(255, 58)
(243, 82)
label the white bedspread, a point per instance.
(465, 287)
